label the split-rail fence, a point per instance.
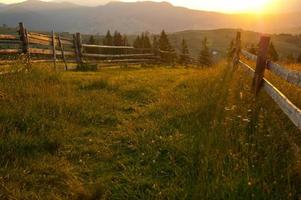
(259, 81)
(39, 47)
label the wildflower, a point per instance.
(246, 120)
(241, 95)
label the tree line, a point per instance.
(159, 45)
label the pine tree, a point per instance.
(125, 41)
(146, 41)
(92, 41)
(184, 58)
(164, 44)
(155, 45)
(167, 53)
(108, 40)
(299, 59)
(205, 58)
(273, 55)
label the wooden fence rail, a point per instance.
(262, 63)
(293, 77)
(39, 47)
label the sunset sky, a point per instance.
(227, 6)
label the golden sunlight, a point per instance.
(228, 6)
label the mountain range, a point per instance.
(136, 17)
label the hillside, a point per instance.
(219, 40)
(135, 17)
(156, 133)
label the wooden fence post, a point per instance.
(261, 63)
(23, 38)
(62, 51)
(25, 43)
(54, 50)
(236, 57)
(78, 49)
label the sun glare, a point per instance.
(227, 6)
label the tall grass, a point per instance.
(153, 133)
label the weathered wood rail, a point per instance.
(259, 81)
(39, 47)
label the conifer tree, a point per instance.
(167, 53)
(125, 41)
(184, 58)
(205, 59)
(92, 41)
(155, 45)
(108, 40)
(137, 42)
(273, 55)
(164, 44)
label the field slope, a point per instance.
(147, 133)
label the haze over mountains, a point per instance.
(136, 17)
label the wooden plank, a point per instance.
(10, 51)
(65, 40)
(116, 56)
(49, 52)
(40, 51)
(39, 37)
(119, 61)
(261, 63)
(10, 42)
(51, 60)
(167, 52)
(9, 37)
(40, 42)
(249, 56)
(293, 77)
(107, 47)
(291, 110)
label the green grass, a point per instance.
(155, 133)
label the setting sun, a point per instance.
(227, 6)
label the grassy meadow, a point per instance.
(144, 133)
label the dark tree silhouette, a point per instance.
(205, 59)
(184, 58)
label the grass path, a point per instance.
(154, 133)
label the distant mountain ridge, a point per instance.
(135, 17)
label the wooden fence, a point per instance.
(259, 81)
(38, 47)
